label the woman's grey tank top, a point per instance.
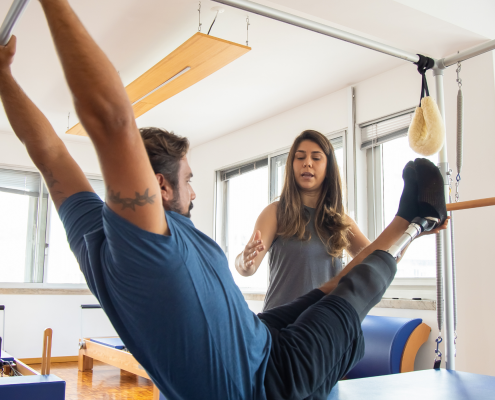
(297, 267)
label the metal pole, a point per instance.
(465, 54)
(15, 12)
(304, 23)
(446, 239)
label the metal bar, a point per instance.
(446, 239)
(15, 12)
(304, 23)
(466, 54)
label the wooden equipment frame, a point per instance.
(124, 360)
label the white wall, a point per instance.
(13, 153)
(376, 97)
(474, 228)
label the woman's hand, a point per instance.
(251, 251)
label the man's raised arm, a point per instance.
(62, 175)
(105, 112)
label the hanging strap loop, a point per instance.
(424, 64)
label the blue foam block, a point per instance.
(385, 339)
(420, 385)
(114, 342)
(39, 387)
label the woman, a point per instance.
(306, 231)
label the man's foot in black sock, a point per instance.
(431, 195)
(408, 206)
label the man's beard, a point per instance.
(175, 206)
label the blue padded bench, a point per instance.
(31, 385)
(113, 342)
(39, 387)
(391, 345)
(430, 384)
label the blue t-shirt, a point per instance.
(172, 300)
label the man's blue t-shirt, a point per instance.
(172, 300)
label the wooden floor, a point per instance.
(103, 383)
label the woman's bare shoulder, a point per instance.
(270, 211)
(271, 208)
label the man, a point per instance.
(165, 286)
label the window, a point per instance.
(23, 212)
(245, 195)
(33, 243)
(242, 193)
(61, 264)
(388, 152)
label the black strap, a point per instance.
(424, 64)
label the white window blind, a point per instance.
(230, 173)
(383, 130)
(19, 182)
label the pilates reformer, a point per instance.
(111, 351)
(18, 381)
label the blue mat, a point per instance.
(113, 342)
(419, 385)
(7, 357)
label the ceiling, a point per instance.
(287, 66)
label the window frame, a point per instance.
(42, 247)
(49, 211)
(220, 195)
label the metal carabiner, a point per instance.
(459, 80)
(438, 340)
(438, 354)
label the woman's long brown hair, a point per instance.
(330, 220)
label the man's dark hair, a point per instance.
(165, 150)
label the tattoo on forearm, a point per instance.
(139, 200)
(48, 175)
